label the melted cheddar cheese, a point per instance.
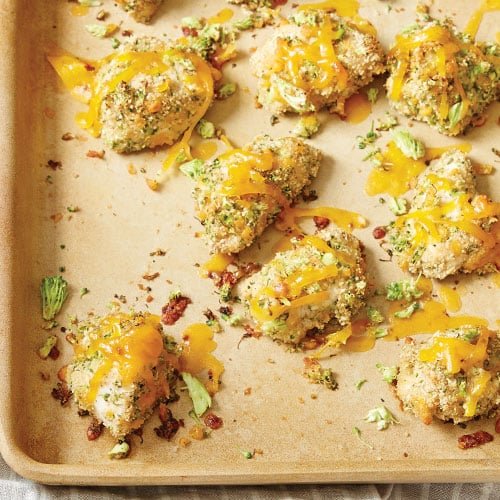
(397, 171)
(459, 213)
(459, 355)
(197, 356)
(475, 21)
(132, 349)
(319, 51)
(343, 218)
(244, 175)
(444, 45)
(290, 294)
(77, 74)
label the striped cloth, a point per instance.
(13, 487)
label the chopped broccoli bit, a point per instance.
(369, 138)
(192, 22)
(205, 129)
(192, 168)
(372, 94)
(374, 315)
(409, 146)
(247, 454)
(382, 416)
(406, 313)
(84, 291)
(90, 3)
(319, 375)
(44, 351)
(227, 90)
(54, 291)
(398, 206)
(97, 30)
(381, 332)
(360, 383)
(455, 113)
(357, 432)
(115, 43)
(404, 289)
(389, 373)
(390, 122)
(247, 23)
(119, 450)
(198, 394)
(307, 126)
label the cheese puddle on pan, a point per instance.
(357, 108)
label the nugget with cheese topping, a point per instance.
(123, 366)
(242, 191)
(316, 61)
(141, 10)
(439, 76)
(450, 227)
(147, 95)
(453, 376)
(320, 280)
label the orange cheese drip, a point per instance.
(79, 10)
(478, 385)
(362, 338)
(476, 18)
(205, 150)
(397, 171)
(357, 108)
(245, 175)
(343, 218)
(76, 74)
(133, 351)
(395, 174)
(222, 16)
(216, 264)
(197, 355)
(319, 51)
(451, 298)
(430, 319)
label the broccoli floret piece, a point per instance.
(54, 291)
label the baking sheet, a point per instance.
(107, 247)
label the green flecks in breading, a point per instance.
(428, 389)
(279, 91)
(346, 290)
(232, 223)
(409, 145)
(141, 114)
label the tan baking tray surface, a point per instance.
(107, 250)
